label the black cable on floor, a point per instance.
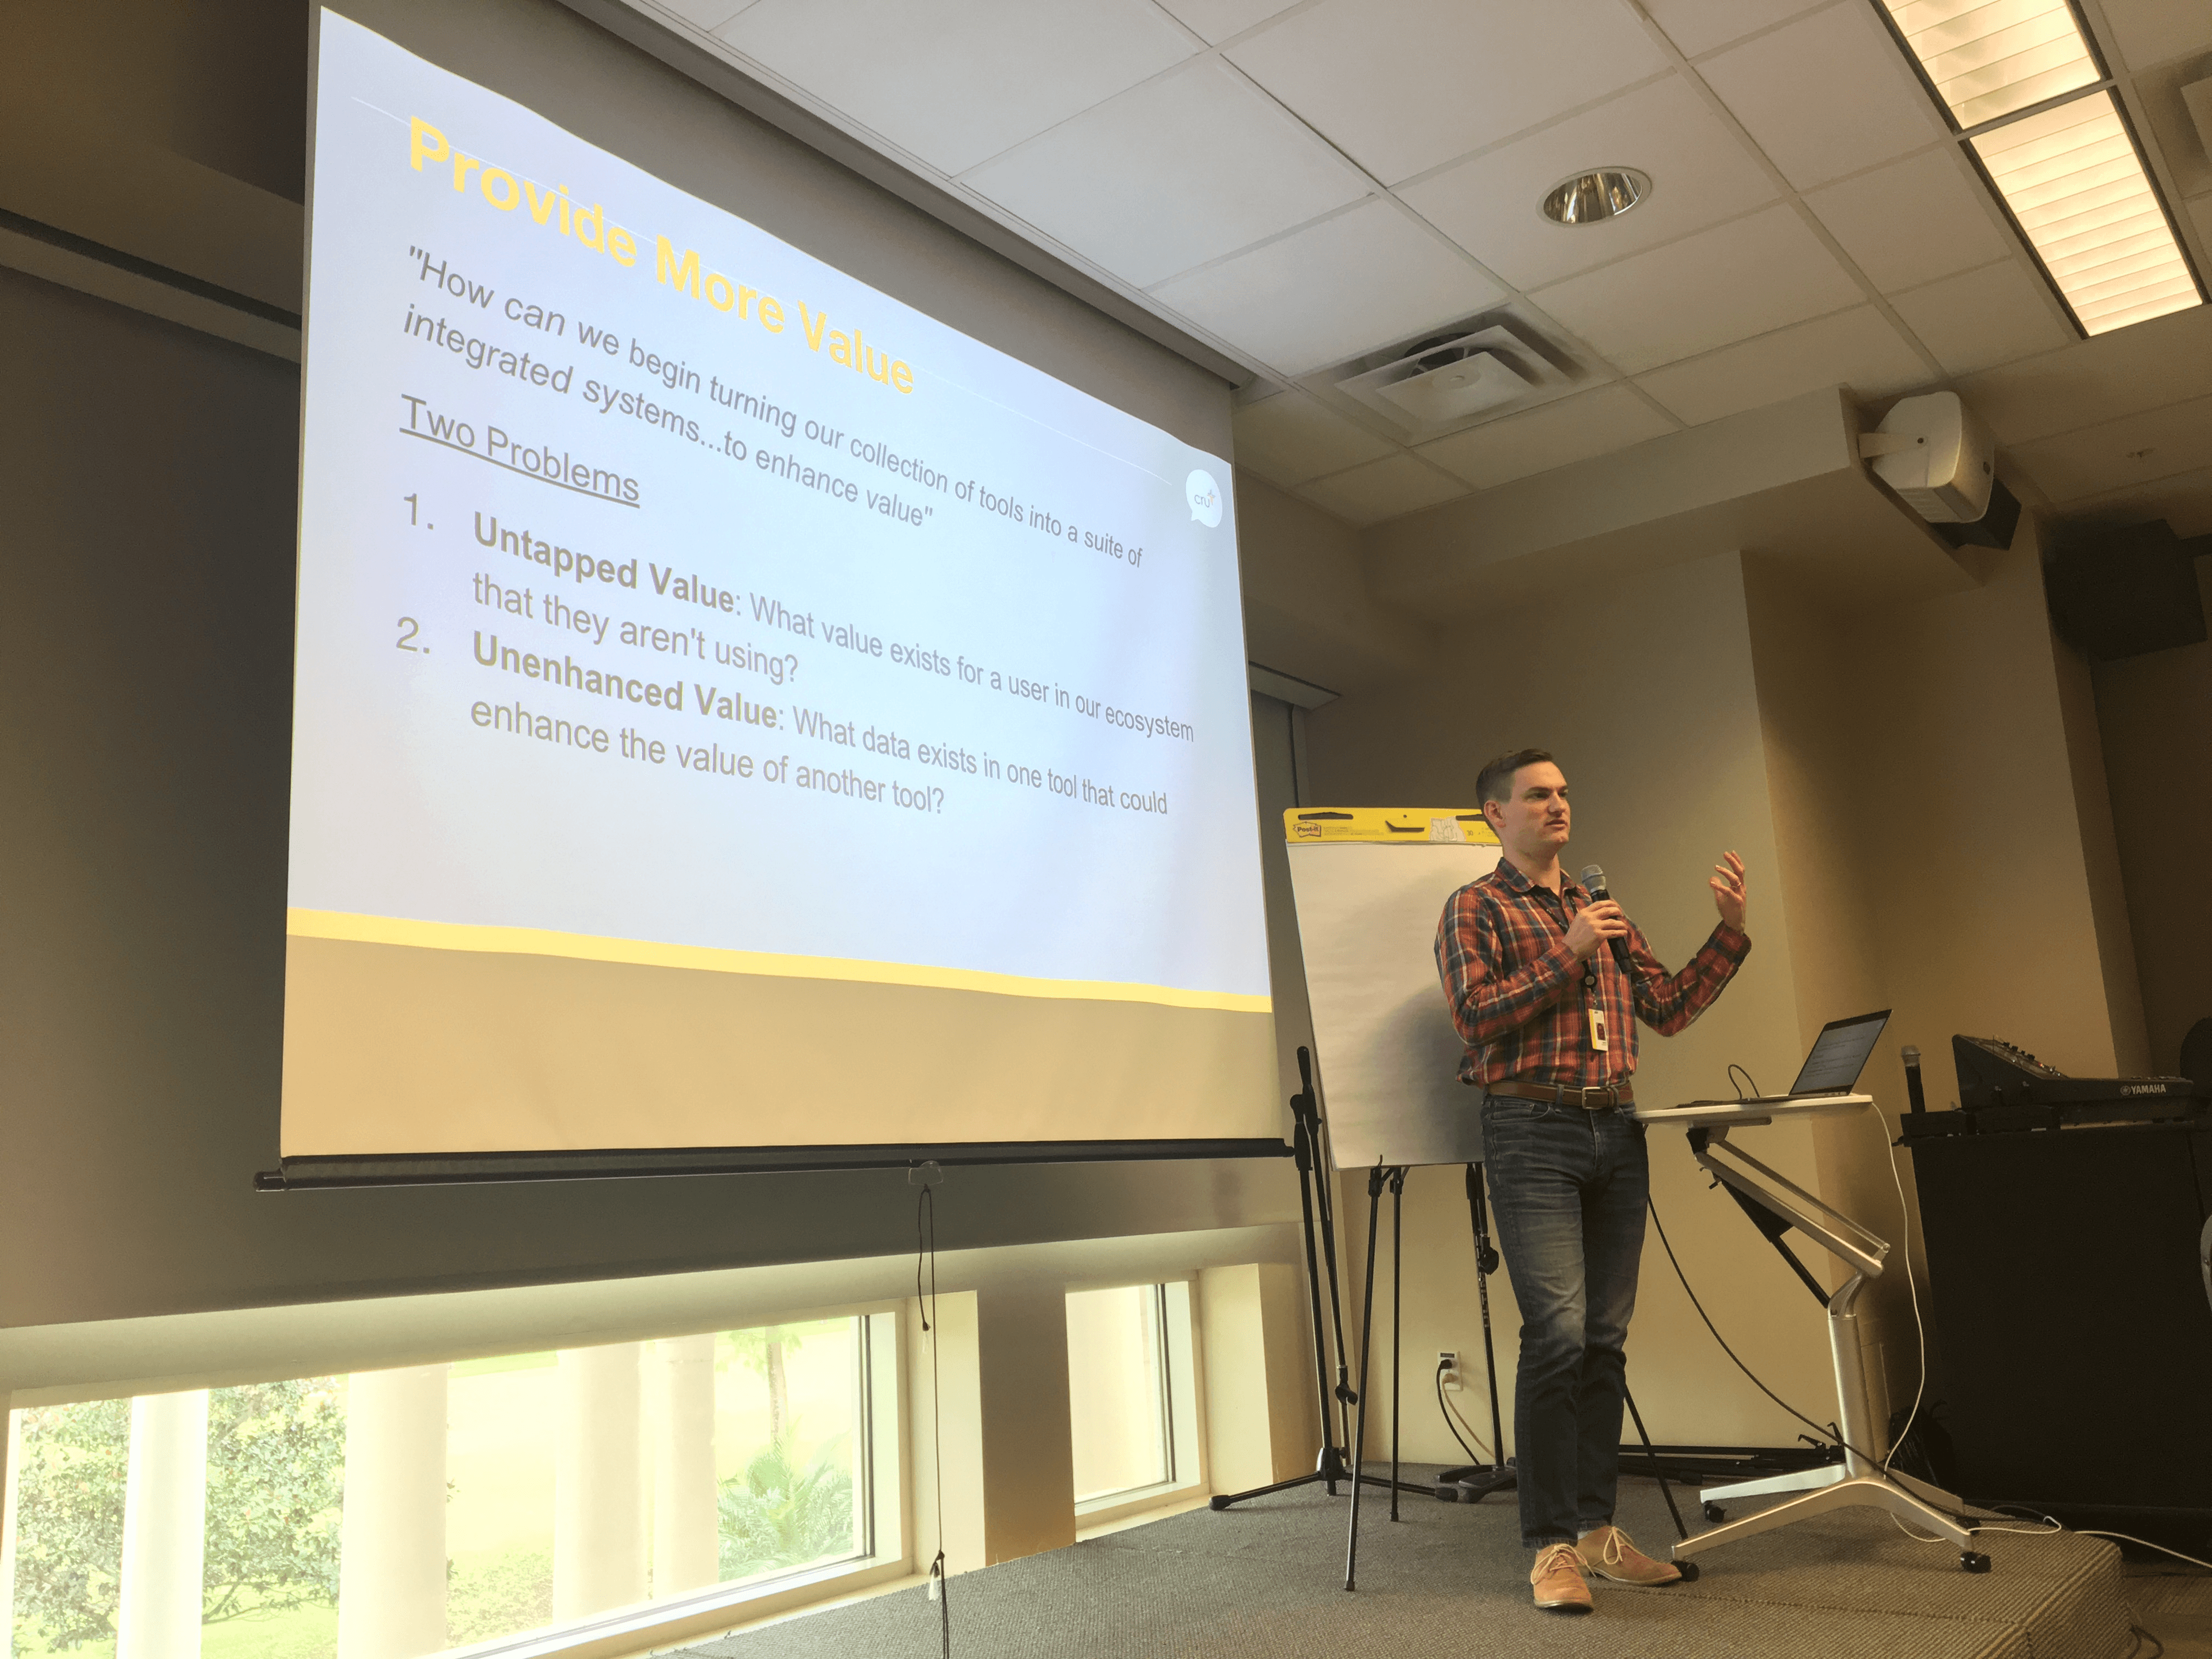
(1826, 1433)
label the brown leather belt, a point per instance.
(1590, 1100)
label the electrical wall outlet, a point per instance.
(1447, 1367)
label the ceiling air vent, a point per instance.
(1485, 366)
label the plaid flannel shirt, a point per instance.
(1520, 1000)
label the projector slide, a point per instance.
(732, 708)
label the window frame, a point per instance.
(886, 1552)
(1181, 1391)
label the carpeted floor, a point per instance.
(1265, 1580)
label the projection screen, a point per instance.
(739, 720)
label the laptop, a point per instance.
(1840, 1055)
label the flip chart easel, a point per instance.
(1370, 884)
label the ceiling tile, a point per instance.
(1826, 95)
(2184, 501)
(1382, 489)
(1719, 286)
(2152, 31)
(1217, 20)
(2129, 453)
(2153, 363)
(1698, 26)
(1912, 220)
(2173, 134)
(1857, 348)
(1701, 175)
(1333, 290)
(1403, 85)
(1573, 429)
(1983, 318)
(1289, 438)
(957, 82)
(1169, 175)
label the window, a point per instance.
(1132, 1394)
(568, 1489)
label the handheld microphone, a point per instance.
(1593, 879)
(1912, 1057)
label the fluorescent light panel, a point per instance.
(2070, 175)
(2073, 181)
(1989, 57)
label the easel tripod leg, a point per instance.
(1397, 1327)
(1325, 1209)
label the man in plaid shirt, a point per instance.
(1545, 988)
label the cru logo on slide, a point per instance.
(1205, 499)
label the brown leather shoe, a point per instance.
(1607, 1551)
(1557, 1576)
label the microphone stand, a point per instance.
(1476, 1481)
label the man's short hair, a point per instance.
(1495, 783)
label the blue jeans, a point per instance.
(1569, 1189)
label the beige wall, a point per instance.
(1307, 608)
(2155, 716)
(1947, 852)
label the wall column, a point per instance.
(1029, 1444)
(164, 1528)
(1008, 1450)
(945, 1429)
(391, 1573)
(686, 1517)
(11, 1448)
(1262, 1423)
(598, 1556)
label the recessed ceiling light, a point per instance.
(1591, 197)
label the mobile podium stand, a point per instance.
(1860, 1480)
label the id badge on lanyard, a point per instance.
(1595, 1009)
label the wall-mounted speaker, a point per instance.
(2121, 593)
(1995, 526)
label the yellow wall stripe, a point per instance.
(532, 941)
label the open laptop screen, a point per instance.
(1839, 1054)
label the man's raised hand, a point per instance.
(1728, 885)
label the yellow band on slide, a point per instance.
(644, 953)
